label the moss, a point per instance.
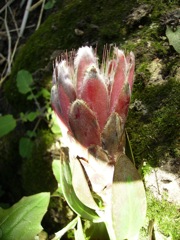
(156, 132)
(166, 216)
(37, 173)
(58, 33)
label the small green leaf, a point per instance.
(49, 4)
(174, 37)
(25, 147)
(45, 93)
(23, 219)
(55, 126)
(31, 134)
(32, 116)
(24, 81)
(7, 124)
(30, 96)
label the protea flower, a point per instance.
(92, 106)
(91, 103)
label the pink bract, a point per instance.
(87, 98)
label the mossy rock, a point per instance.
(58, 33)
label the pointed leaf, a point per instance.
(94, 93)
(128, 200)
(7, 124)
(85, 58)
(84, 124)
(119, 79)
(112, 133)
(22, 220)
(123, 103)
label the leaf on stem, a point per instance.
(7, 124)
(24, 81)
(22, 220)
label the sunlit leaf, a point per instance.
(23, 219)
(7, 124)
(128, 200)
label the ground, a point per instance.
(153, 122)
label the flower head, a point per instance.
(92, 102)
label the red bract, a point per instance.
(92, 103)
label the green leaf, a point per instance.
(49, 4)
(22, 220)
(7, 124)
(25, 147)
(45, 93)
(32, 116)
(174, 37)
(128, 200)
(56, 169)
(69, 193)
(55, 126)
(24, 81)
(31, 134)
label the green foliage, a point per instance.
(22, 220)
(25, 147)
(24, 81)
(165, 214)
(7, 124)
(173, 37)
(155, 132)
(49, 4)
